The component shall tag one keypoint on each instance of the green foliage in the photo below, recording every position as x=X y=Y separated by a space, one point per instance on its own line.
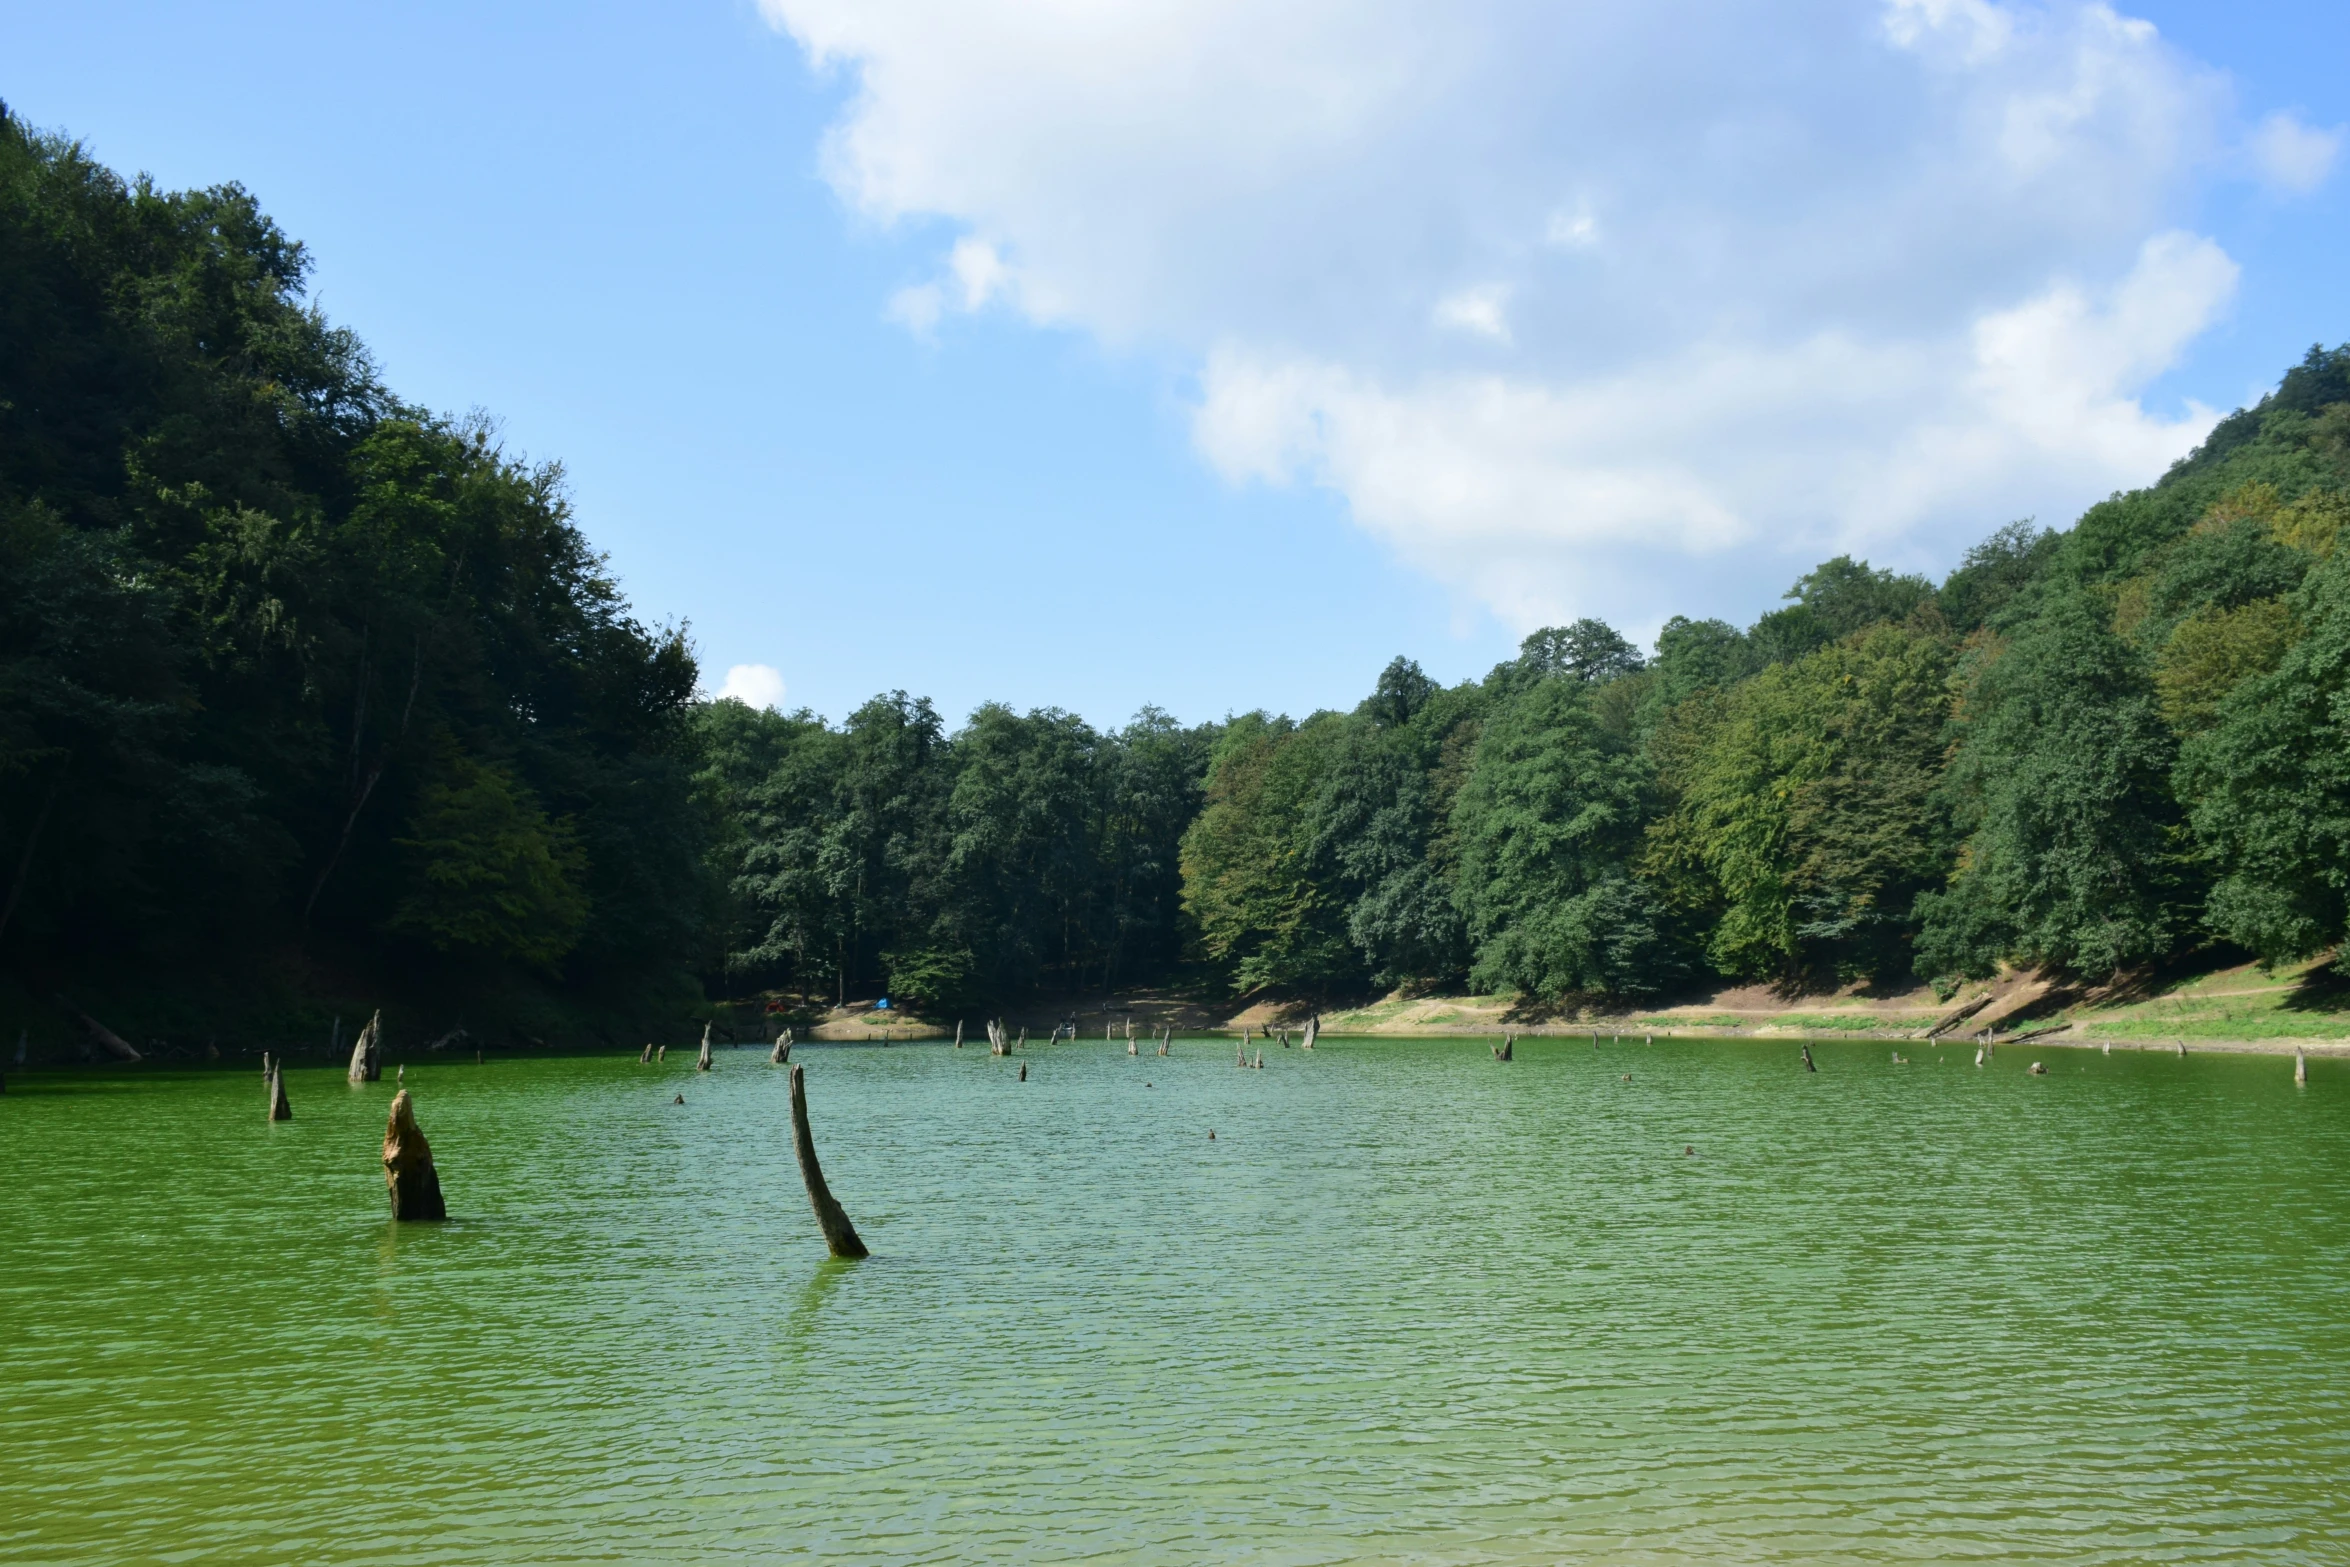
x=2061 y=782
x=1249 y=869
x=1805 y=797
x=1549 y=822
x=2270 y=782
x=493 y=875
x=1834 y=600
x=250 y=598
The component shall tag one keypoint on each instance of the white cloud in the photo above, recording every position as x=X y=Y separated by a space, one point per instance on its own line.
x=759 y=685
x=1480 y=311
x=1883 y=273
x=2294 y=158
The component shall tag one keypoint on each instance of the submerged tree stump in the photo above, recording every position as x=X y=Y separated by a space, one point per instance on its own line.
x=280 y=1108
x=2300 y=1065
x=1808 y=1067
x=840 y=1236
x=367 y=1062
x=414 y=1185
x=703 y=1064
x=1313 y=1032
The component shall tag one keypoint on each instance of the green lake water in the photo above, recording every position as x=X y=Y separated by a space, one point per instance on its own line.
x=1409 y=1305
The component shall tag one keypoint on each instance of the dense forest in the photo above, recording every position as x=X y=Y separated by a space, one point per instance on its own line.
x=310 y=698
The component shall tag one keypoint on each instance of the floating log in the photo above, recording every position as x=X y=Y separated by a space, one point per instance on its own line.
x=280 y=1108
x=703 y=1064
x=2300 y=1065
x=116 y=1045
x=367 y=1062
x=840 y=1236
x=409 y=1178
x=1807 y=1062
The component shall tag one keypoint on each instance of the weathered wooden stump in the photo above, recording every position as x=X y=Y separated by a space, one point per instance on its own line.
x=1808 y=1067
x=644 y=1057
x=1023 y=1071
x=2300 y=1065
x=280 y=1108
x=367 y=1062
x=409 y=1177
x=703 y=1064
x=840 y=1236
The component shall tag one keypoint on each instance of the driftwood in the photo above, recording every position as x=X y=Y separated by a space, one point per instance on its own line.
x=116 y=1045
x=703 y=1065
x=840 y=1236
x=367 y=1054
x=1961 y=1015
x=280 y=1108
x=414 y=1186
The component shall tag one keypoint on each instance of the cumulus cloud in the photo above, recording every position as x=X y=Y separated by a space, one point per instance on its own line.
x=2294 y=159
x=759 y=685
x=1579 y=307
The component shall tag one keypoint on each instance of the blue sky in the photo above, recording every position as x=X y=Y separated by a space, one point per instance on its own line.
x=1208 y=355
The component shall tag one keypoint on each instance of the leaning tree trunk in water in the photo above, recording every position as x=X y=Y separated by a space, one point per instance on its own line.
x=958 y=1033
x=414 y=1185
x=116 y=1046
x=1313 y=1031
x=280 y=1108
x=703 y=1065
x=840 y=1236
x=367 y=1054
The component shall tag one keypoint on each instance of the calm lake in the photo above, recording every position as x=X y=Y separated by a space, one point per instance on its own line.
x=1409 y=1305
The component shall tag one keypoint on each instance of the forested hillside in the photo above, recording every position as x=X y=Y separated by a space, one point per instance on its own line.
x=301 y=687
x=311 y=698
x=2091 y=750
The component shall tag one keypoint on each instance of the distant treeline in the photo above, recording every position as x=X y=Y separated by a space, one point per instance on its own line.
x=2091 y=750
x=301 y=683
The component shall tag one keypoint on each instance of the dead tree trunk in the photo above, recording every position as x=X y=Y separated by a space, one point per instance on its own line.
x=280 y=1108
x=703 y=1064
x=116 y=1045
x=1313 y=1031
x=367 y=1062
x=840 y=1236
x=409 y=1177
